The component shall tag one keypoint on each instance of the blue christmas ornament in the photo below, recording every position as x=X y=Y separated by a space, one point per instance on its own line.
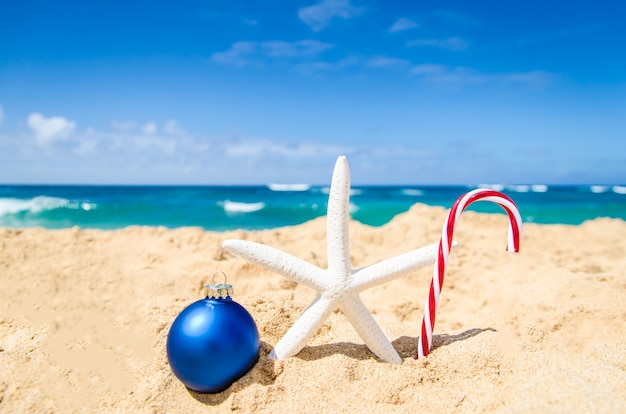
x=213 y=342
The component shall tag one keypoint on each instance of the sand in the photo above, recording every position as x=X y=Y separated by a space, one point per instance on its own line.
x=85 y=314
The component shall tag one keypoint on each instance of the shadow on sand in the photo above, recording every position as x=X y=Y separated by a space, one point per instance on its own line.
x=262 y=373
x=406 y=346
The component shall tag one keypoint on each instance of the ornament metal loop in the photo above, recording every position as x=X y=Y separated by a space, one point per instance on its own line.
x=218 y=290
x=222 y=273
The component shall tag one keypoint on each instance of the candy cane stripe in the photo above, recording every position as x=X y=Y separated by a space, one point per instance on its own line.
x=447 y=234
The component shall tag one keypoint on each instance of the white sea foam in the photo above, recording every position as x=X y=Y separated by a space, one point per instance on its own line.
x=237 y=207
x=289 y=187
x=619 y=189
x=539 y=188
x=88 y=206
x=34 y=205
x=353 y=191
x=518 y=188
x=81 y=206
x=412 y=192
x=494 y=187
x=599 y=188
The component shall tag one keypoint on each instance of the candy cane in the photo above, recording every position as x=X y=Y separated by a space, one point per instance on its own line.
x=445 y=245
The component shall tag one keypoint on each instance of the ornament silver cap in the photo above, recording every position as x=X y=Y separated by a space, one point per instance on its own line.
x=218 y=290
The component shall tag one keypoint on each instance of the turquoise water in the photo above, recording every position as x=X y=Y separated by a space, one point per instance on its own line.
x=220 y=208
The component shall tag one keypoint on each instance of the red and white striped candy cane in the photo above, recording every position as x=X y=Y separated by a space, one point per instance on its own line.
x=445 y=245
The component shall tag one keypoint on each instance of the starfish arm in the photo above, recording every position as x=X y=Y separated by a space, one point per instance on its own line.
x=303 y=330
x=277 y=261
x=393 y=268
x=337 y=220
x=367 y=328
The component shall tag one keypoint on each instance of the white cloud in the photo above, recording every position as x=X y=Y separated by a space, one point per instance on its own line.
x=155 y=144
x=257 y=53
x=262 y=148
x=319 y=15
x=317 y=66
x=384 y=62
x=124 y=126
x=451 y=75
x=131 y=157
x=537 y=78
x=48 y=130
x=171 y=127
x=239 y=54
x=302 y=48
x=441 y=74
x=86 y=147
x=451 y=43
x=403 y=24
x=149 y=128
x=428 y=69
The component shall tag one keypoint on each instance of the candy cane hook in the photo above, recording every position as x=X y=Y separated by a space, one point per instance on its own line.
x=445 y=245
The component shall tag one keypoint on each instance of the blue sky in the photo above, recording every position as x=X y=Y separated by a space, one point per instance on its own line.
x=231 y=92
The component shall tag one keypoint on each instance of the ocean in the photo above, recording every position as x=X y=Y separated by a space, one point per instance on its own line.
x=221 y=208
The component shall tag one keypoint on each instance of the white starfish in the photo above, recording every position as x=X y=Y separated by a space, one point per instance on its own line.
x=339 y=285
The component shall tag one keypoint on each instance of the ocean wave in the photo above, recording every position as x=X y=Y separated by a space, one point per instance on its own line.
x=289 y=187
x=598 y=189
x=353 y=191
x=518 y=188
x=494 y=187
x=238 y=207
x=412 y=192
x=34 y=205
x=619 y=189
x=88 y=206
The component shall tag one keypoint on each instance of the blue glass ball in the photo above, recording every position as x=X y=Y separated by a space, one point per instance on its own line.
x=212 y=343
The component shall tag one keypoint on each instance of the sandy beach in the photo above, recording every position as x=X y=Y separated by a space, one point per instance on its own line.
x=85 y=314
